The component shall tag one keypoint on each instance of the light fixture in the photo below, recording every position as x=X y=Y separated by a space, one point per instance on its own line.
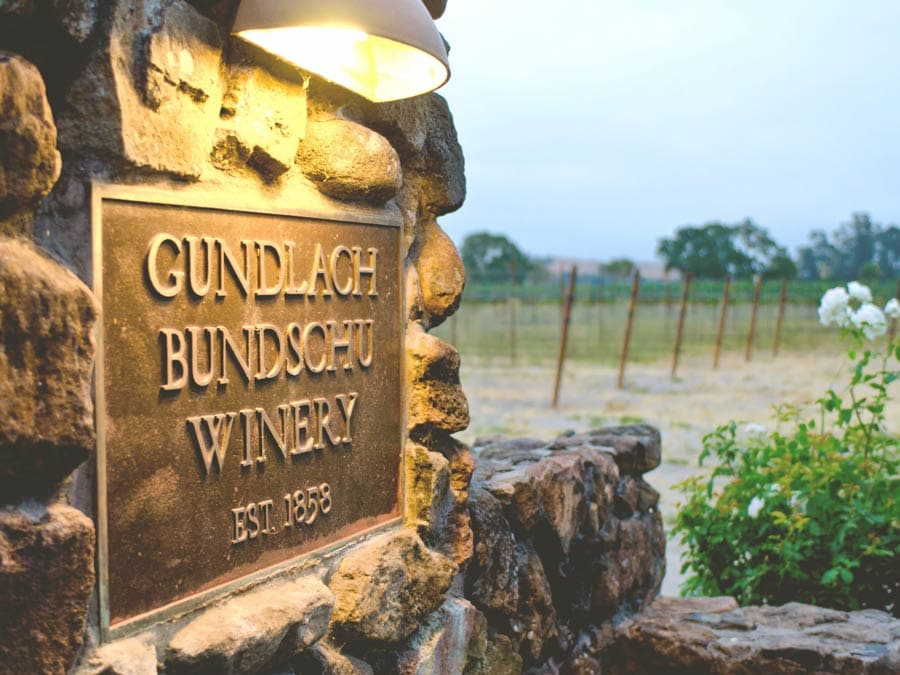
x=382 y=49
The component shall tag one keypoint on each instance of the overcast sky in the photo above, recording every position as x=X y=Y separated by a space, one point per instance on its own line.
x=593 y=128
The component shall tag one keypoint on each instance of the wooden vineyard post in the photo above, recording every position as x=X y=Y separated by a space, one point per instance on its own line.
x=512 y=311
x=567 y=315
x=723 y=316
x=623 y=359
x=779 y=322
x=679 y=336
x=754 y=310
x=892 y=332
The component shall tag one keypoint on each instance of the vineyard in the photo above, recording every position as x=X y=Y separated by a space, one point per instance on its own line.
x=522 y=323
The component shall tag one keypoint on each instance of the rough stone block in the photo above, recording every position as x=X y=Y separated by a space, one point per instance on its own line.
x=46 y=360
x=552 y=499
x=321 y=659
x=435 y=399
x=136 y=656
x=422 y=131
x=151 y=93
x=29 y=160
x=500 y=658
x=46 y=580
x=348 y=161
x=442 y=276
x=76 y=17
x=263 y=118
x=384 y=588
x=713 y=635
x=427 y=488
x=452 y=639
x=247 y=632
x=492 y=579
x=637 y=448
x=535 y=623
x=633 y=564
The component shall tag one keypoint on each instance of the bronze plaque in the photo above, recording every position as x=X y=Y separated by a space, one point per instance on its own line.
x=249 y=393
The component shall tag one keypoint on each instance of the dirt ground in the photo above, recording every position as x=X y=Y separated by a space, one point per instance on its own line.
x=516 y=401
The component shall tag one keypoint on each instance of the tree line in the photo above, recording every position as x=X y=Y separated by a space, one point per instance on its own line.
x=857 y=249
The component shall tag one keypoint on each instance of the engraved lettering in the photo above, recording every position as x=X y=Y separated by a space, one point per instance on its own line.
x=264 y=288
x=301 y=428
x=174 y=280
x=174 y=359
x=319 y=366
x=275 y=335
x=198 y=377
x=323 y=424
x=347 y=403
x=295 y=350
x=368 y=271
x=365 y=341
x=211 y=434
x=227 y=259
x=345 y=345
x=346 y=288
x=292 y=288
x=282 y=439
x=239 y=529
x=229 y=347
x=199 y=287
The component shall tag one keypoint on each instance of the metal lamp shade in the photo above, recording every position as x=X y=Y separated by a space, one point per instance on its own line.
x=382 y=49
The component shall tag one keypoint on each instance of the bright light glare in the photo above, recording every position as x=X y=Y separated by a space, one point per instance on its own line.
x=372 y=66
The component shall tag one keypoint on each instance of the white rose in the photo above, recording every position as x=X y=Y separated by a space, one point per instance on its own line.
x=892 y=309
x=859 y=292
x=756 y=505
x=834 y=307
x=871 y=320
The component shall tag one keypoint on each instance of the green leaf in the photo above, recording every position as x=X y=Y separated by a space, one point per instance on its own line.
x=829 y=576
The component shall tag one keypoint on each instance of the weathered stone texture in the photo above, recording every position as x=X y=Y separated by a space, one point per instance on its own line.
x=435 y=7
x=435 y=399
x=322 y=659
x=247 y=632
x=151 y=93
x=453 y=638
x=422 y=131
x=384 y=588
x=563 y=540
x=135 y=656
x=46 y=579
x=492 y=580
x=712 y=635
x=442 y=276
x=349 y=161
x=77 y=18
x=636 y=447
x=46 y=358
x=29 y=160
x=263 y=118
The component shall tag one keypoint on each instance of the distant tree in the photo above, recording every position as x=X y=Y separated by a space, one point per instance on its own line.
x=857 y=248
x=717 y=249
x=621 y=268
x=494 y=257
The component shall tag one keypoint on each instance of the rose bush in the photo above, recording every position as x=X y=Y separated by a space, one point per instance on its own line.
x=809 y=511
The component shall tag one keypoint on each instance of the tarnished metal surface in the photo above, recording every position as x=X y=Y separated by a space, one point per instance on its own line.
x=278 y=336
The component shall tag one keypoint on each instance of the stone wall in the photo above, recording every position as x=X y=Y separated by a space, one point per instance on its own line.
x=496 y=569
